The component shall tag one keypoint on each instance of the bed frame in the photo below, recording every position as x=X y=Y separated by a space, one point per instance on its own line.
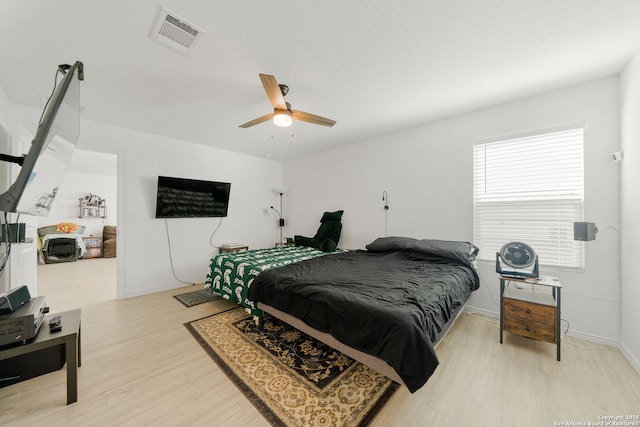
x=373 y=362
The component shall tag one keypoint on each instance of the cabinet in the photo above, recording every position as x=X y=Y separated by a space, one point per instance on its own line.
x=528 y=308
x=94 y=247
x=93 y=206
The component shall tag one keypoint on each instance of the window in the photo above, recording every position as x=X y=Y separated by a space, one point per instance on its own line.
x=531 y=190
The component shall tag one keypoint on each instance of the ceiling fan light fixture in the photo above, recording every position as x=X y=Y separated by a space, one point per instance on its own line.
x=282 y=114
x=282 y=118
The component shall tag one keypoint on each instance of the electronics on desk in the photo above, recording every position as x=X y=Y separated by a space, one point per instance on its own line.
x=24 y=322
x=55 y=324
x=14 y=299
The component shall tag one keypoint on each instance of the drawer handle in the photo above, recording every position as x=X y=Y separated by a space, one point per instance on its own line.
x=528 y=329
x=528 y=311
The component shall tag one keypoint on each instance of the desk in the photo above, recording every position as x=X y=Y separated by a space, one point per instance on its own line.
x=69 y=336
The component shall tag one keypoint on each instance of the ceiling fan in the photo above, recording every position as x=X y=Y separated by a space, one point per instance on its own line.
x=282 y=114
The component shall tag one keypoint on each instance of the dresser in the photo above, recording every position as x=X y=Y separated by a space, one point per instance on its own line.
x=530 y=307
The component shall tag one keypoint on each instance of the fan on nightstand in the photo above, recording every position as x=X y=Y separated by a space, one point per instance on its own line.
x=519 y=257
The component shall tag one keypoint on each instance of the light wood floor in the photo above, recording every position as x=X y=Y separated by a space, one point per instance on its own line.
x=69 y=285
x=140 y=366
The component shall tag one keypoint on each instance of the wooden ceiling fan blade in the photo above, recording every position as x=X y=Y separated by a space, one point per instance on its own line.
x=273 y=91
x=312 y=118
x=257 y=121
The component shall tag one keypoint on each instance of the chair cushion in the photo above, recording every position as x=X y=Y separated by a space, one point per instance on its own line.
x=109 y=232
x=328 y=245
x=331 y=216
x=302 y=240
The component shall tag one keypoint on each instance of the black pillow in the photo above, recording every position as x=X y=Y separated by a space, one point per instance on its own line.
x=390 y=244
x=463 y=252
x=332 y=216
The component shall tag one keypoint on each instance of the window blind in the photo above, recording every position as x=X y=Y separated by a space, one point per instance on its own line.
x=531 y=190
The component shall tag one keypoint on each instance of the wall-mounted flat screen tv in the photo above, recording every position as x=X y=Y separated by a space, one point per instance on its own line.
x=191 y=198
x=43 y=167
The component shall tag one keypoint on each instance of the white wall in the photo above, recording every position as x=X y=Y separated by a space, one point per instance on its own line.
x=143 y=246
x=630 y=211
x=24 y=254
x=427 y=172
x=143 y=250
x=5 y=175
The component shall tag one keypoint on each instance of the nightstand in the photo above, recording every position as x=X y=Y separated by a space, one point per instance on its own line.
x=530 y=311
x=284 y=245
x=224 y=249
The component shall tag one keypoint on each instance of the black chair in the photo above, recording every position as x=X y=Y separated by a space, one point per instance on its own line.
x=327 y=236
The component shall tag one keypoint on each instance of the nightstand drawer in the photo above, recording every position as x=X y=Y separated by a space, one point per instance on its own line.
x=530 y=329
x=518 y=309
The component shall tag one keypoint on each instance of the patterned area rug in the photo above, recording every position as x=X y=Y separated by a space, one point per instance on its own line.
x=291 y=378
x=201 y=296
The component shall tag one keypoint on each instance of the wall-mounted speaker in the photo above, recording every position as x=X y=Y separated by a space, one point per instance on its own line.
x=13 y=233
x=584 y=231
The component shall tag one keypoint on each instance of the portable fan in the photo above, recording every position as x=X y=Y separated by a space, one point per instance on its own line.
x=519 y=257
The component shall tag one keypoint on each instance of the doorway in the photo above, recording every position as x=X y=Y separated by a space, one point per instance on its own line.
x=92 y=278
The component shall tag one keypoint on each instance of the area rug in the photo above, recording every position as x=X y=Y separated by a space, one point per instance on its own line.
x=291 y=378
x=189 y=299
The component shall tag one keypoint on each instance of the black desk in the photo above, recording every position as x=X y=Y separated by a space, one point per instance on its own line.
x=69 y=336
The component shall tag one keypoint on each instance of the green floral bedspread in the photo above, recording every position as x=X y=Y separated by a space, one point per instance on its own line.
x=231 y=274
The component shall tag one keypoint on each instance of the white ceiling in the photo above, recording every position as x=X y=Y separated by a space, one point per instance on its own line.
x=374 y=66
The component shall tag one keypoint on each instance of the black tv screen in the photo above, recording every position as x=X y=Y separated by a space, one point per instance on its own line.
x=191 y=198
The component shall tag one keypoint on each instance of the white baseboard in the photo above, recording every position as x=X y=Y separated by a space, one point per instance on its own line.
x=594 y=338
x=579 y=335
x=471 y=309
x=634 y=362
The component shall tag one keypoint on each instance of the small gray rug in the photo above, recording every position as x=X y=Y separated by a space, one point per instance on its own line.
x=192 y=298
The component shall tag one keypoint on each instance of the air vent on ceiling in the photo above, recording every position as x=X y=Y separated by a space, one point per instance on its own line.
x=175 y=32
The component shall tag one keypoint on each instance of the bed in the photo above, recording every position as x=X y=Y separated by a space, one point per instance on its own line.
x=386 y=306
x=231 y=274
x=390 y=303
